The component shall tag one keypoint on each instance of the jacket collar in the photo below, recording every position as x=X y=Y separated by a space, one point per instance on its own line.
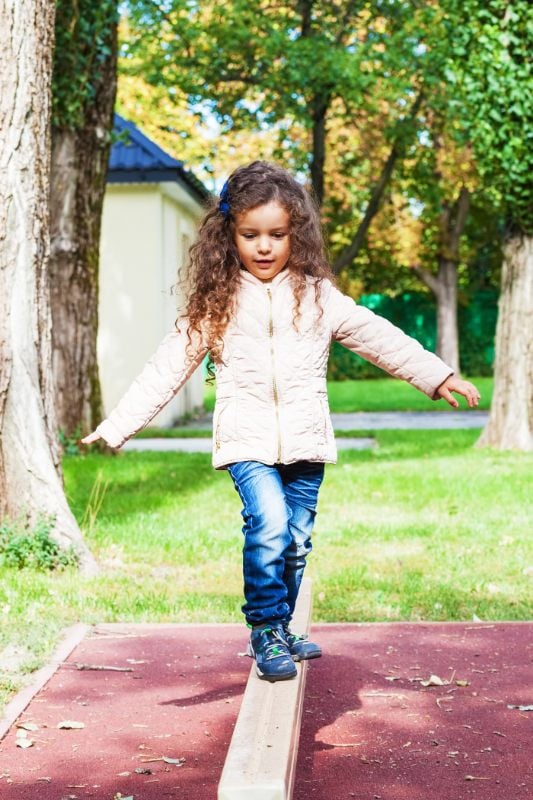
x=247 y=277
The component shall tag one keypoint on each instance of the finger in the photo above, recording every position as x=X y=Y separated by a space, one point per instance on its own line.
x=448 y=396
x=90 y=438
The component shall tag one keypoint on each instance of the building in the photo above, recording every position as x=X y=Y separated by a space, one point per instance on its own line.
x=152 y=207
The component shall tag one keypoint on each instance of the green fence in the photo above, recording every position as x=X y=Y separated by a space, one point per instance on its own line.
x=415 y=314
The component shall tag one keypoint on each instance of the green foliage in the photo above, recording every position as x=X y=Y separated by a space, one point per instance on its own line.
x=22 y=547
x=489 y=70
x=70 y=444
x=84 y=35
x=414 y=313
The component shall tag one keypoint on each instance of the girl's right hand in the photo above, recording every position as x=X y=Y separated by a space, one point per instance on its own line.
x=90 y=438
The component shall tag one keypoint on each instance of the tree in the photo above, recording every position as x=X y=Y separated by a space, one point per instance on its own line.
x=288 y=65
x=83 y=91
x=489 y=67
x=30 y=476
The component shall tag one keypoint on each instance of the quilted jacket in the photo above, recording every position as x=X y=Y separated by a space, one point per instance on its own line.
x=271 y=401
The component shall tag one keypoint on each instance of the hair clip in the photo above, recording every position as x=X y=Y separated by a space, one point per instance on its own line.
x=224 y=205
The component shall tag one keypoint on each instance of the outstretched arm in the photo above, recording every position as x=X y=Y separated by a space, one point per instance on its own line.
x=163 y=375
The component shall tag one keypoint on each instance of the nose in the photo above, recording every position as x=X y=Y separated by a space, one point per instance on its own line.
x=263 y=244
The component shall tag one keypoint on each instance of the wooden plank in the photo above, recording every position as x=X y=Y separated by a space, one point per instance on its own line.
x=261 y=759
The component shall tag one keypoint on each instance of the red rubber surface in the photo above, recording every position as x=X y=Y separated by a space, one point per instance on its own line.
x=180 y=700
x=362 y=736
x=367 y=737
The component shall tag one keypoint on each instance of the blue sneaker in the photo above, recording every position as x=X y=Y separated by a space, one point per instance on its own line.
x=300 y=647
x=273 y=661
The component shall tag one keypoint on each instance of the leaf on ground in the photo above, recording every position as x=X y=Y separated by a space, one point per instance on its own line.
x=24 y=743
x=462 y=683
x=143 y=771
x=69 y=724
x=522 y=708
x=434 y=680
x=177 y=761
x=27 y=726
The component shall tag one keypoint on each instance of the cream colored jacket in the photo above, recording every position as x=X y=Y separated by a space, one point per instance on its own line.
x=271 y=401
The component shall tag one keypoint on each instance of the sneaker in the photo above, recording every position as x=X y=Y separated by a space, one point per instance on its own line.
x=300 y=647
x=273 y=661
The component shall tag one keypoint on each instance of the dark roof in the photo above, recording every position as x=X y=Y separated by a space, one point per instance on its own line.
x=135 y=158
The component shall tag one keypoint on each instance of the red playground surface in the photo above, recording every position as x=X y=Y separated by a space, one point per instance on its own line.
x=392 y=712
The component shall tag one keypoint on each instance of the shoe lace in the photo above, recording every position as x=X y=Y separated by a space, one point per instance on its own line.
x=271 y=649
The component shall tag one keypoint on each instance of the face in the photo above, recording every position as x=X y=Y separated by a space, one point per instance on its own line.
x=263 y=240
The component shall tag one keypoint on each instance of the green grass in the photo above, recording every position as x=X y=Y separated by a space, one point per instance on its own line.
x=382 y=394
x=425 y=527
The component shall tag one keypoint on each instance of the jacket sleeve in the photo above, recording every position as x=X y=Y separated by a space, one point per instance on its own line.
x=383 y=344
x=161 y=378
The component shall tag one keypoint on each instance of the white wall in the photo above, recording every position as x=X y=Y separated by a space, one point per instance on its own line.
x=143 y=231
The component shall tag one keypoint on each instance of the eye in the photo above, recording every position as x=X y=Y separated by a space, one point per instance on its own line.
x=248 y=235
x=279 y=235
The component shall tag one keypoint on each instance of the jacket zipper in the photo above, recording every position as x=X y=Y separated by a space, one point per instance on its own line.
x=274 y=384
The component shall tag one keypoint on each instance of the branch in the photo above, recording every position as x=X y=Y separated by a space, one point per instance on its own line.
x=428 y=278
x=351 y=251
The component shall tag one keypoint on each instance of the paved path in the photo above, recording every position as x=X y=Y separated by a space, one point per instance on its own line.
x=371 y=730
x=198 y=445
x=387 y=419
x=404 y=420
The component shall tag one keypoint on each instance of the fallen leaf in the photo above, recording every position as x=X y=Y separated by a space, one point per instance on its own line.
x=177 y=761
x=69 y=724
x=522 y=708
x=24 y=743
x=28 y=726
x=434 y=680
x=474 y=778
x=143 y=771
x=462 y=683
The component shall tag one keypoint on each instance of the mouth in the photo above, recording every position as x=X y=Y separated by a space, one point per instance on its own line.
x=265 y=261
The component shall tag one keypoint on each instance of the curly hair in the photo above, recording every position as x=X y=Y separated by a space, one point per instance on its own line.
x=215 y=266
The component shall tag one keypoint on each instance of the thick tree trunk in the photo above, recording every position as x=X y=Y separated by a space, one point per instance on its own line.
x=510 y=425
x=78 y=182
x=30 y=479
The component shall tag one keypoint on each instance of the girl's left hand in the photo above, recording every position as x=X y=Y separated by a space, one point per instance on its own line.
x=467 y=389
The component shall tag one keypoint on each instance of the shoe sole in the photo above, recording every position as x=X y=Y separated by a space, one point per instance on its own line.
x=316 y=654
x=275 y=678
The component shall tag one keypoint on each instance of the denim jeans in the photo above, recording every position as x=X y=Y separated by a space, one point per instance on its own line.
x=279 y=509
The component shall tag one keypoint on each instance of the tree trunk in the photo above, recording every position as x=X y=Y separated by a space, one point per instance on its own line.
x=30 y=477
x=510 y=425
x=444 y=284
x=78 y=182
x=447 y=328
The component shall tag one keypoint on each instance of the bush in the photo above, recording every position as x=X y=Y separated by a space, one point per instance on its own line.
x=415 y=313
x=21 y=546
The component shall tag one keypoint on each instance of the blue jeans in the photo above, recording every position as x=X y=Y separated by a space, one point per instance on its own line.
x=279 y=508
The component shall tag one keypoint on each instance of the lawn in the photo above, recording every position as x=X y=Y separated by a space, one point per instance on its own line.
x=425 y=527
x=383 y=394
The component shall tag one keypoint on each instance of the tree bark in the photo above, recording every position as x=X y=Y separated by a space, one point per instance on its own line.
x=510 y=424
x=30 y=475
x=78 y=182
x=443 y=284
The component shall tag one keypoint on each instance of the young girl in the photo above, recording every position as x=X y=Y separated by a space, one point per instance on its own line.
x=265 y=306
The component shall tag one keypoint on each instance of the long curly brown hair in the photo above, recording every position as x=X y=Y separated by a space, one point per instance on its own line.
x=215 y=266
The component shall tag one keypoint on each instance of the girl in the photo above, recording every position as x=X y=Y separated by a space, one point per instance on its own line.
x=265 y=306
